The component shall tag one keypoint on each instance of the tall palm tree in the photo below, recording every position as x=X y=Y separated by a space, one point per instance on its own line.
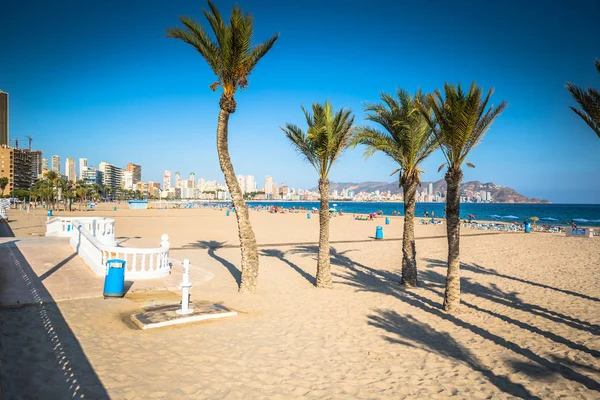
x=460 y=120
x=328 y=135
x=53 y=177
x=589 y=100
x=232 y=57
x=407 y=139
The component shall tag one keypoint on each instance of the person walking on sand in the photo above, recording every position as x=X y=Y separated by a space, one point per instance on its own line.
x=426 y=214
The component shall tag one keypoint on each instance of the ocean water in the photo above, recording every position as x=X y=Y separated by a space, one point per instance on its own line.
x=550 y=214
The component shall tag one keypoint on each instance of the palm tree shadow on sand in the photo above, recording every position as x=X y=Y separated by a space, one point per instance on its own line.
x=212 y=246
x=281 y=256
x=408 y=330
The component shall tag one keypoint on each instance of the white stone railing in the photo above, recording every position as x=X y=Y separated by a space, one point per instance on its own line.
x=139 y=263
x=102 y=229
x=93 y=238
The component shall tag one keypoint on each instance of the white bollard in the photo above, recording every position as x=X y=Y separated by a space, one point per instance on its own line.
x=185 y=286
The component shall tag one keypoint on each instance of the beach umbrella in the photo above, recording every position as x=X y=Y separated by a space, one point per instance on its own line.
x=471 y=216
x=534 y=220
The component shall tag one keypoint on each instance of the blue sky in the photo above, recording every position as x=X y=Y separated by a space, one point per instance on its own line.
x=99 y=79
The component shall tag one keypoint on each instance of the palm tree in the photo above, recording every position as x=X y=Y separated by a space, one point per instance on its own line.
x=460 y=120
x=589 y=100
x=53 y=178
x=3 y=184
x=328 y=135
x=407 y=139
x=232 y=58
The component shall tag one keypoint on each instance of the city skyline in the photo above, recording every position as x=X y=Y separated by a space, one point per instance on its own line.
x=164 y=110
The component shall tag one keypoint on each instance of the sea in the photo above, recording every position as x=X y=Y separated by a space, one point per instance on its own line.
x=549 y=214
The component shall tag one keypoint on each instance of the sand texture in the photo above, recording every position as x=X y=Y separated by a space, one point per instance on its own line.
x=529 y=323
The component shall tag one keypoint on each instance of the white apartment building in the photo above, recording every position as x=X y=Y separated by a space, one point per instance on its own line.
x=70 y=169
x=112 y=176
x=127 y=181
x=250 y=184
x=82 y=166
x=268 y=185
x=56 y=164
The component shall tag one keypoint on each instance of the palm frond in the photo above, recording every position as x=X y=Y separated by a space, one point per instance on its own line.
x=407 y=138
x=329 y=133
x=460 y=119
x=229 y=51
x=589 y=101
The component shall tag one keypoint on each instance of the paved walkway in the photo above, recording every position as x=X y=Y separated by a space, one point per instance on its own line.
x=30 y=264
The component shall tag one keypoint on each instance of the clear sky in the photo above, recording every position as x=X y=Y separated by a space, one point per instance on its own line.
x=99 y=79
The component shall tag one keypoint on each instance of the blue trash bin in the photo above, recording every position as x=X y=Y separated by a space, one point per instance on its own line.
x=379 y=232
x=308 y=216
x=527 y=227
x=387 y=221
x=114 y=281
x=227 y=213
x=114 y=208
x=49 y=213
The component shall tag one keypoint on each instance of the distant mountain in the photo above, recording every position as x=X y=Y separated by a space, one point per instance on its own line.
x=500 y=194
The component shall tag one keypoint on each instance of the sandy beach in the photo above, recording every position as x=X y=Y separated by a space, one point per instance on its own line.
x=529 y=325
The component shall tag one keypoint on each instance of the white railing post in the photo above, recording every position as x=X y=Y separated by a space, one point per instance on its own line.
x=185 y=286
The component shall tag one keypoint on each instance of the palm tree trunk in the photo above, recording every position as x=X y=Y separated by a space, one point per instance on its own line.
x=452 y=295
x=246 y=234
x=409 y=250
x=323 y=263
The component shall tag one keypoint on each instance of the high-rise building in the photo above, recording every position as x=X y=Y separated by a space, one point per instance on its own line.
x=250 y=184
x=242 y=182
x=91 y=176
x=82 y=166
x=127 y=180
x=112 y=176
x=430 y=189
x=56 y=164
x=177 y=179
x=3 y=118
x=70 y=169
x=136 y=171
x=16 y=165
x=36 y=164
x=44 y=164
x=167 y=180
x=268 y=185
x=193 y=179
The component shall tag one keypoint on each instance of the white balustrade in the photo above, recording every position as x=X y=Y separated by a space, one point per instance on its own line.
x=102 y=229
x=91 y=239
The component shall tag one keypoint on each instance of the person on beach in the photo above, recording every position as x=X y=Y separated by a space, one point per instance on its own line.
x=426 y=214
x=432 y=217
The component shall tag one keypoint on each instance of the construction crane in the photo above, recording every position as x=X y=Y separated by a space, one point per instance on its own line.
x=30 y=140
x=16 y=140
